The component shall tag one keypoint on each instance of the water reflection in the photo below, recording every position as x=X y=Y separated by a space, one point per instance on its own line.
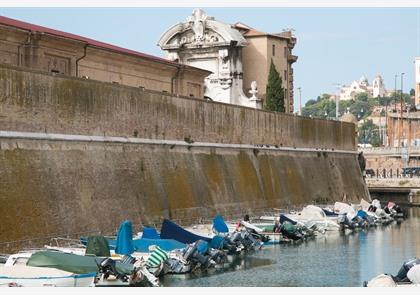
x=336 y=259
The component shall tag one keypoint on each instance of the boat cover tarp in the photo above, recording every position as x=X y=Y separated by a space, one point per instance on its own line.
x=251 y=226
x=219 y=224
x=217 y=242
x=376 y=203
x=362 y=214
x=171 y=230
x=142 y=245
x=150 y=233
x=97 y=246
x=290 y=228
x=414 y=274
x=364 y=204
x=382 y=280
x=328 y=212
x=124 y=243
x=71 y=262
x=312 y=212
x=343 y=208
x=202 y=246
x=284 y=218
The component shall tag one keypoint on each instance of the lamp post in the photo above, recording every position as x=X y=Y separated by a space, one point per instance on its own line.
x=300 y=101
x=337 y=100
x=395 y=93
x=401 y=112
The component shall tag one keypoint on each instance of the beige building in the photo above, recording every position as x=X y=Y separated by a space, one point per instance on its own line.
x=256 y=59
x=36 y=47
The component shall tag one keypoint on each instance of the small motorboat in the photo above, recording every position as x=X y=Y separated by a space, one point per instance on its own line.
x=407 y=276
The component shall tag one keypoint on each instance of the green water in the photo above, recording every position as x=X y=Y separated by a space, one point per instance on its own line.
x=335 y=259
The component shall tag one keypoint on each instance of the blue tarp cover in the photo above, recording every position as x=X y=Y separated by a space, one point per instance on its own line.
x=150 y=233
x=202 y=246
x=219 y=224
x=362 y=214
x=171 y=230
x=284 y=218
x=142 y=245
x=217 y=242
x=124 y=244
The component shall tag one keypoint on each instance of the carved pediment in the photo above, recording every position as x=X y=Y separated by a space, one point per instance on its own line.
x=190 y=37
x=200 y=30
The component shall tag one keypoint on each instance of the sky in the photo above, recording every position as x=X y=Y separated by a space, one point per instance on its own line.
x=334 y=45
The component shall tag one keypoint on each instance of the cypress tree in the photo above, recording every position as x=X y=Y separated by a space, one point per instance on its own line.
x=274 y=91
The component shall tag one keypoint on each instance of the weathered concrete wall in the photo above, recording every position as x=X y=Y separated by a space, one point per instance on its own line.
x=51 y=188
x=34 y=101
x=54 y=188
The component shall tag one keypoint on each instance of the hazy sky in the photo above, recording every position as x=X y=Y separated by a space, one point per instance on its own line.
x=334 y=45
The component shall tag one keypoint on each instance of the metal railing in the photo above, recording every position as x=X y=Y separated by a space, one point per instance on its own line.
x=393 y=173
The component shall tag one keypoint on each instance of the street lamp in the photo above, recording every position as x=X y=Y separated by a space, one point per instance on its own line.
x=337 y=99
x=401 y=111
x=395 y=93
x=300 y=101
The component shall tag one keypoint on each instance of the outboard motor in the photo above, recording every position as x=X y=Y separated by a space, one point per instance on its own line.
x=290 y=231
x=402 y=273
x=218 y=256
x=197 y=254
x=107 y=267
x=344 y=222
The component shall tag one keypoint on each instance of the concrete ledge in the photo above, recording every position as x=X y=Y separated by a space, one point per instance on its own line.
x=133 y=140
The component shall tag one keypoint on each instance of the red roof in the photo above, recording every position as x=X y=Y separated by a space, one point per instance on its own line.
x=30 y=27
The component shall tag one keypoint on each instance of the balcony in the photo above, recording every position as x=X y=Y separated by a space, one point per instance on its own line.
x=292 y=58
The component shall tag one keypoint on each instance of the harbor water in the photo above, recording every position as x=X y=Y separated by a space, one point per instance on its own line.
x=334 y=259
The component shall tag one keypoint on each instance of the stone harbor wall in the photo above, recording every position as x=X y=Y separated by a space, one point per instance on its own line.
x=80 y=156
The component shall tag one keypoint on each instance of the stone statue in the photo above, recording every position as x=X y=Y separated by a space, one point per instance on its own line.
x=254 y=90
x=198 y=20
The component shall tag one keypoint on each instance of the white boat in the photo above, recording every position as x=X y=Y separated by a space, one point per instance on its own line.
x=311 y=216
x=15 y=273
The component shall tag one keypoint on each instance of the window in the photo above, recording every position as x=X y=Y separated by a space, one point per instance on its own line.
x=273 y=49
x=285 y=51
x=285 y=75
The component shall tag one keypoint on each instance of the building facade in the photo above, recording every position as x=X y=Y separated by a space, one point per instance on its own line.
x=31 y=46
x=376 y=89
x=205 y=43
x=238 y=56
x=263 y=48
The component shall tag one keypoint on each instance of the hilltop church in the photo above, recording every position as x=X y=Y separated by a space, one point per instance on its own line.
x=377 y=89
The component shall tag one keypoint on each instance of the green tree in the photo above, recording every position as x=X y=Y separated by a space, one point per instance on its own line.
x=274 y=91
x=412 y=92
x=368 y=133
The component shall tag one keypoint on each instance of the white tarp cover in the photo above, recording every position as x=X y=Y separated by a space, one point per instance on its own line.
x=343 y=208
x=251 y=226
x=312 y=212
x=414 y=274
x=364 y=204
x=376 y=204
x=382 y=280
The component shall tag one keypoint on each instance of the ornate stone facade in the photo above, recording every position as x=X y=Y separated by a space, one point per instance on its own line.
x=208 y=44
